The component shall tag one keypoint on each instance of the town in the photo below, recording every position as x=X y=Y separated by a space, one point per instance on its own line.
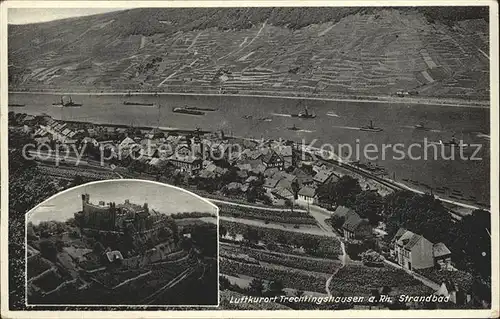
x=290 y=223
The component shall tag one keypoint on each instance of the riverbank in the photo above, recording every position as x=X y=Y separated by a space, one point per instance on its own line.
x=286 y=95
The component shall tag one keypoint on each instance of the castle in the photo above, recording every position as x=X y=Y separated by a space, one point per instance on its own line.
x=119 y=218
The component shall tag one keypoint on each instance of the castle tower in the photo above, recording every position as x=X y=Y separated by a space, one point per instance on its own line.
x=85 y=198
x=85 y=201
x=146 y=208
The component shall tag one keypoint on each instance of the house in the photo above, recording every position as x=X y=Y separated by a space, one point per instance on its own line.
x=114 y=255
x=356 y=227
x=286 y=153
x=303 y=178
x=272 y=159
x=324 y=175
x=412 y=251
x=188 y=164
x=283 y=193
x=270 y=172
x=442 y=256
x=307 y=194
x=270 y=183
x=126 y=143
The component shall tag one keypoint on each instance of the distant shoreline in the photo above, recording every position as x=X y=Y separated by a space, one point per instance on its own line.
x=276 y=95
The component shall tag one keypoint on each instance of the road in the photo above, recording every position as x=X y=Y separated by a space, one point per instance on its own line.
x=215 y=201
x=253 y=222
x=345 y=258
x=321 y=214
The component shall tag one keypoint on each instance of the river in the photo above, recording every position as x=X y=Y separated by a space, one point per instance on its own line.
x=336 y=123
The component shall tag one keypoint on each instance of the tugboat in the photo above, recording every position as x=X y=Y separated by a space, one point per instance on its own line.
x=63 y=103
x=370 y=128
x=185 y=110
x=194 y=108
x=453 y=142
x=294 y=128
x=137 y=103
x=304 y=114
x=420 y=126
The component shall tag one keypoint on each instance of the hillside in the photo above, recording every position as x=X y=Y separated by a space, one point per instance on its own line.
x=324 y=51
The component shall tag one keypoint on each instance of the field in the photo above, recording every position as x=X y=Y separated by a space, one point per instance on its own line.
x=461 y=278
x=297 y=262
x=320 y=246
x=341 y=51
x=291 y=278
x=286 y=217
x=359 y=280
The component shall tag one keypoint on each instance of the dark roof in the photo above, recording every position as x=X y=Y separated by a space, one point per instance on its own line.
x=440 y=249
x=343 y=211
x=307 y=191
x=322 y=176
x=114 y=255
x=413 y=241
x=408 y=239
x=399 y=233
x=353 y=221
x=270 y=182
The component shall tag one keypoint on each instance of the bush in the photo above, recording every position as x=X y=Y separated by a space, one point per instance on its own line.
x=372 y=258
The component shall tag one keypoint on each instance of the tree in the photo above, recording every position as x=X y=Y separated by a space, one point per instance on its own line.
x=369 y=205
x=98 y=248
x=59 y=245
x=281 y=239
x=251 y=235
x=422 y=214
x=310 y=244
x=295 y=188
x=472 y=242
x=224 y=283
x=48 y=250
x=30 y=232
x=77 y=180
x=342 y=192
x=222 y=231
x=275 y=288
x=256 y=287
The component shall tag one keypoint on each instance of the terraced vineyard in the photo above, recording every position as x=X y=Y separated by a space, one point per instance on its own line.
x=324 y=246
x=359 y=280
x=267 y=215
x=289 y=277
x=340 y=52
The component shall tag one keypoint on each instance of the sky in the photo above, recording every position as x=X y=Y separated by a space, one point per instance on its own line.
x=160 y=197
x=28 y=15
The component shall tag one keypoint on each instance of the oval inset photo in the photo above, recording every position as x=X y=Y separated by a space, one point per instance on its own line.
x=122 y=242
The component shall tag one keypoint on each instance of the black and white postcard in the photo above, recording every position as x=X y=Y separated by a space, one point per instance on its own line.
x=179 y=159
